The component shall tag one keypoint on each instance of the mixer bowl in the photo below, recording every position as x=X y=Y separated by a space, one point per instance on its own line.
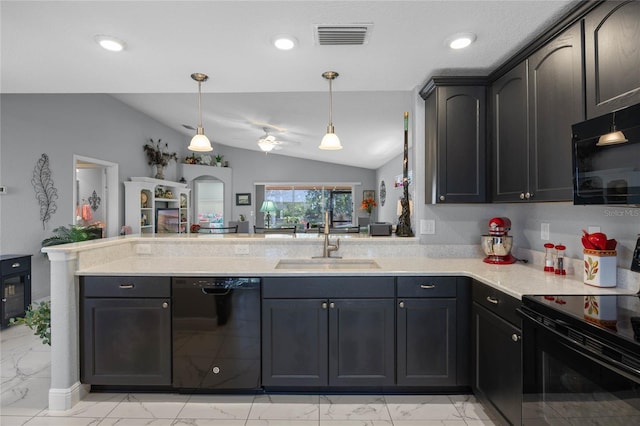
x=494 y=245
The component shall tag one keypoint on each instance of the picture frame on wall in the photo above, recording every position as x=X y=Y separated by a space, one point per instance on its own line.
x=368 y=193
x=243 y=199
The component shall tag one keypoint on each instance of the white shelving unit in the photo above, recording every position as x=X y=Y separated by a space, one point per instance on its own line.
x=144 y=196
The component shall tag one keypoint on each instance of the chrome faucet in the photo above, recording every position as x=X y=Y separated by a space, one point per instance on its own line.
x=327 y=247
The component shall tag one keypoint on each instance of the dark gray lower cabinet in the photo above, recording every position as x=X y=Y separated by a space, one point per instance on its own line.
x=336 y=332
x=427 y=342
x=497 y=353
x=125 y=330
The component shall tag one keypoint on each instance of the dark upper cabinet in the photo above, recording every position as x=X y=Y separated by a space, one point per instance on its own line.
x=510 y=140
x=612 y=56
x=556 y=102
x=534 y=106
x=455 y=133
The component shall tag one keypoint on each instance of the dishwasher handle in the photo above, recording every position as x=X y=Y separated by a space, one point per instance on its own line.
x=216 y=291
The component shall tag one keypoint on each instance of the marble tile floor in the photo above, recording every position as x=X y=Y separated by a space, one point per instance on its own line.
x=25 y=372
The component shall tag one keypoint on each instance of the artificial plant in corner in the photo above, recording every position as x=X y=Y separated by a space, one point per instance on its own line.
x=72 y=234
x=38 y=318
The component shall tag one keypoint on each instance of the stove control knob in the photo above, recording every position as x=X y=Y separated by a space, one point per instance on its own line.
x=515 y=337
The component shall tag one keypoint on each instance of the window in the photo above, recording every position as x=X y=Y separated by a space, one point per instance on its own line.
x=304 y=205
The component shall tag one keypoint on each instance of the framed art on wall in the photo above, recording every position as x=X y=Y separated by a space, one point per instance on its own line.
x=243 y=199
x=368 y=193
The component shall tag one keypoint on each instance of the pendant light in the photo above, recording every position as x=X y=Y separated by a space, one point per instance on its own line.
x=200 y=142
x=614 y=137
x=330 y=141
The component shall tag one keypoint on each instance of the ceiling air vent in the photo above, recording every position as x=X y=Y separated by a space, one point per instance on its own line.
x=343 y=34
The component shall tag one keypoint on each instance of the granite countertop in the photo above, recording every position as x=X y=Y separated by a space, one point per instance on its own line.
x=515 y=279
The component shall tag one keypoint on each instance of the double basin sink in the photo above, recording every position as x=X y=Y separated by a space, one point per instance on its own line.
x=327 y=263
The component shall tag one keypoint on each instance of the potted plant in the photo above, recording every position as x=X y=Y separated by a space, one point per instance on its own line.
x=72 y=234
x=219 y=160
x=38 y=318
x=158 y=155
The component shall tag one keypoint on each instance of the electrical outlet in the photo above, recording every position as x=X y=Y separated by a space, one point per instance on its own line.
x=3 y=190
x=544 y=231
x=143 y=248
x=427 y=226
x=241 y=249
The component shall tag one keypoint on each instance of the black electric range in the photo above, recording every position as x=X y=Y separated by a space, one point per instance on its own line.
x=611 y=318
x=581 y=359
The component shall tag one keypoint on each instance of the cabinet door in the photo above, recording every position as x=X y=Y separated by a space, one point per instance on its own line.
x=510 y=139
x=294 y=342
x=126 y=341
x=461 y=144
x=427 y=353
x=555 y=103
x=362 y=342
x=498 y=363
x=612 y=57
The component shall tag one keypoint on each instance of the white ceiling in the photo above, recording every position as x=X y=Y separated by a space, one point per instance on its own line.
x=48 y=47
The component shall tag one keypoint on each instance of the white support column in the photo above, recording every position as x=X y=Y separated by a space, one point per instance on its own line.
x=66 y=389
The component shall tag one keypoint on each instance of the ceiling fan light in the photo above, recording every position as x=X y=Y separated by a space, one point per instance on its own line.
x=265 y=145
x=330 y=142
x=200 y=142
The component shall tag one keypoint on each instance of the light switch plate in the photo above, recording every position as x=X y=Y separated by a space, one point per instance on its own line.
x=427 y=226
x=544 y=231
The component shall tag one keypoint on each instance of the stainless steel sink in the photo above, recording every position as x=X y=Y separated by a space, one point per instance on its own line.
x=327 y=264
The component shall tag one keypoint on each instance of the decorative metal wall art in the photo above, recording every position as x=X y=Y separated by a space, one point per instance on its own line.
x=46 y=193
x=94 y=201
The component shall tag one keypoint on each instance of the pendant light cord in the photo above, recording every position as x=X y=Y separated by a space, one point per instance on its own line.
x=200 y=103
x=330 y=103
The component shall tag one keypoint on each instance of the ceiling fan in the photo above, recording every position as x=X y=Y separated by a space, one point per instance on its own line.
x=268 y=143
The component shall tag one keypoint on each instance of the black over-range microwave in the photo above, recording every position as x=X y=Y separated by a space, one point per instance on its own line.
x=606 y=159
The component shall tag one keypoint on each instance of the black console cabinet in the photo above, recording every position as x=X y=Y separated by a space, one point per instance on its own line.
x=126 y=330
x=15 y=286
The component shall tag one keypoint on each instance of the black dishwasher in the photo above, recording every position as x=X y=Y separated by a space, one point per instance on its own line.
x=216 y=334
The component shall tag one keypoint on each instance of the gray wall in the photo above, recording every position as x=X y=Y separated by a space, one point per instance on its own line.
x=101 y=127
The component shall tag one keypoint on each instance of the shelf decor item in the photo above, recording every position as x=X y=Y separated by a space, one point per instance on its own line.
x=158 y=155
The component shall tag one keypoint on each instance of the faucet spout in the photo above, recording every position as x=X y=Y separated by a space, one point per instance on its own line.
x=327 y=247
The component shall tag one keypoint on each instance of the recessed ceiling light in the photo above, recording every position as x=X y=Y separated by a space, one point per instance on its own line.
x=460 y=40
x=284 y=42
x=110 y=43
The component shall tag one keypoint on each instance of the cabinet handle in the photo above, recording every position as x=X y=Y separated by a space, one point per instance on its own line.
x=332 y=305
x=324 y=305
x=493 y=300
x=515 y=337
x=527 y=195
x=427 y=286
x=15 y=265
x=442 y=198
x=165 y=305
x=127 y=286
x=522 y=195
x=401 y=304
x=531 y=195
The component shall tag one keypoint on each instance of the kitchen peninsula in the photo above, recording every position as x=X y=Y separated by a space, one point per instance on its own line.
x=259 y=256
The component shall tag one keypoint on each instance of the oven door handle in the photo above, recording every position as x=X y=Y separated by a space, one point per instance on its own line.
x=596 y=357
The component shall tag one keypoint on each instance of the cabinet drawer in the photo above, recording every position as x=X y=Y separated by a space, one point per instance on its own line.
x=497 y=302
x=16 y=265
x=426 y=286
x=326 y=287
x=126 y=286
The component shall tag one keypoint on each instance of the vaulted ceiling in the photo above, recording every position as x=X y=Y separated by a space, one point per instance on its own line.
x=48 y=47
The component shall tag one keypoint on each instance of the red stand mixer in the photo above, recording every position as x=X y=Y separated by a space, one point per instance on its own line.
x=497 y=245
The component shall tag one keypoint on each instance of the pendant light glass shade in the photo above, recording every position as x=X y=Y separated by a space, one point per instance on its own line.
x=330 y=141
x=200 y=142
x=614 y=137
